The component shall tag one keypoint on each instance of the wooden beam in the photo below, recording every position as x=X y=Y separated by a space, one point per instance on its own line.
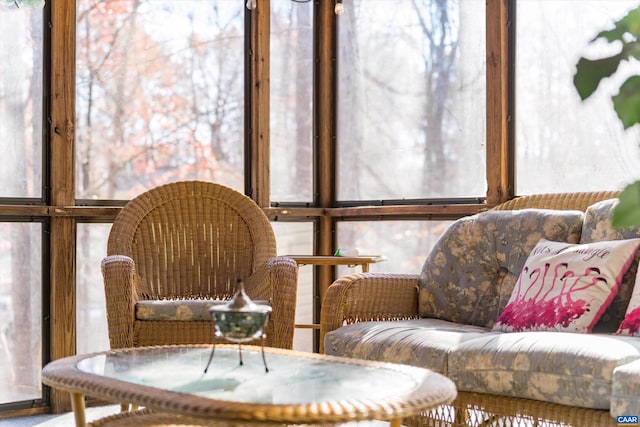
x=408 y=211
x=500 y=176
x=299 y=213
x=21 y=210
x=93 y=212
x=324 y=94
x=108 y=213
x=259 y=81
x=61 y=132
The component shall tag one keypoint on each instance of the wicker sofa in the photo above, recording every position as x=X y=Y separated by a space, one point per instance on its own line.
x=503 y=379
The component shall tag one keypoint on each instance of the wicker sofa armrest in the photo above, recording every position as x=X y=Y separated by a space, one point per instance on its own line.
x=277 y=282
x=368 y=296
x=120 y=277
x=562 y=201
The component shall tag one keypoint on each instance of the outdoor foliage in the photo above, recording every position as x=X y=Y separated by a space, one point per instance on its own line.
x=156 y=106
x=20 y=3
x=589 y=74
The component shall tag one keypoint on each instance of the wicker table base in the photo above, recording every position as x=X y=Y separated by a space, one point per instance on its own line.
x=148 y=418
x=145 y=418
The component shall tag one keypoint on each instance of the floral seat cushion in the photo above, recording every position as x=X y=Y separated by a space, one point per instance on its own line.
x=418 y=342
x=574 y=369
x=567 y=368
x=175 y=310
x=624 y=391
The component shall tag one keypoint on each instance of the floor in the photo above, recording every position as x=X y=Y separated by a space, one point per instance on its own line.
x=66 y=420
x=58 y=420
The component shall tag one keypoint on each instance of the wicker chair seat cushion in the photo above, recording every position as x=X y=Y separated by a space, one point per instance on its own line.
x=567 y=368
x=624 y=392
x=419 y=342
x=184 y=310
x=471 y=271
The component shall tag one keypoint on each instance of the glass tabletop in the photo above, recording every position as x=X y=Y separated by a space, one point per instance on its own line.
x=299 y=388
x=291 y=379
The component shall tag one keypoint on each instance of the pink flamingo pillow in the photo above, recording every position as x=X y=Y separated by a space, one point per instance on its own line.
x=566 y=287
x=631 y=323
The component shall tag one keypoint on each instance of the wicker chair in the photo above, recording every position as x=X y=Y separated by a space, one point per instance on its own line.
x=188 y=242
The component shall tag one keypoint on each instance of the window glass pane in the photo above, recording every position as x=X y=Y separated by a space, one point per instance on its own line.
x=21 y=41
x=20 y=311
x=91 y=314
x=291 y=97
x=406 y=244
x=92 y=331
x=564 y=144
x=296 y=238
x=411 y=99
x=154 y=105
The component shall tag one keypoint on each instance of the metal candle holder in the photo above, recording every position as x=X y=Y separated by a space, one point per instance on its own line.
x=239 y=320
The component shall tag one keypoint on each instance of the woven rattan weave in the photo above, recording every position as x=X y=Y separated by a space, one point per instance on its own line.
x=192 y=240
x=302 y=388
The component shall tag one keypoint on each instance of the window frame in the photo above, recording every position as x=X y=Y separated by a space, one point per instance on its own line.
x=59 y=208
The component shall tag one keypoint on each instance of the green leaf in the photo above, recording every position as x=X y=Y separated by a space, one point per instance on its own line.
x=633 y=50
x=589 y=73
x=630 y=23
x=627 y=102
x=627 y=212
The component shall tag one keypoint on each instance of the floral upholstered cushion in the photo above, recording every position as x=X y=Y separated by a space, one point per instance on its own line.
x=565 y=368
x=624 y=390
x=175 y=309
x=418 y=342
x=566 y=287
x=597 y=227
x=470 y=273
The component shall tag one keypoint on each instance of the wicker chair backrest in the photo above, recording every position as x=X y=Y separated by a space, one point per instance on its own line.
x=192 y=239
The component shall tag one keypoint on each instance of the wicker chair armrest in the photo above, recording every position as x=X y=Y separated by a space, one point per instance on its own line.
x=119 y=274
x=277 y=282
x=368 y=296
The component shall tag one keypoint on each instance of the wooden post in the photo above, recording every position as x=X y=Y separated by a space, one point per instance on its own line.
x=258 y=93
x=500 y=164
x=325 y=139
x=61 y=131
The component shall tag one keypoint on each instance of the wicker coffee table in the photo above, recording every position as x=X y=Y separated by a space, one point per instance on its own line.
x=299 y=388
